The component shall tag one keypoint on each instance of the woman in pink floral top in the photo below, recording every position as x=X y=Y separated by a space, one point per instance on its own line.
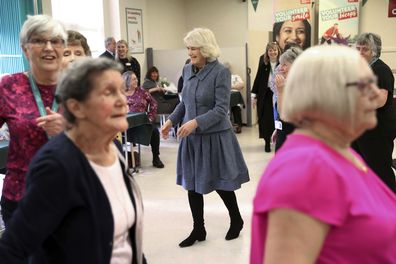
x=31 y=116
x=139 y=100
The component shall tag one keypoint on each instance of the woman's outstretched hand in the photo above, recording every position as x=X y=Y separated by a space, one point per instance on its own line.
x=165 y=129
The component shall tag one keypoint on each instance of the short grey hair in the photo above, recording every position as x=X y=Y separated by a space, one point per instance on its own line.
x=373 y=41
x=127 y=76
x=41 y=24
x=108 y=41
x=322 y=93
x=76 y=82
x=205 y=40
x=290 y=55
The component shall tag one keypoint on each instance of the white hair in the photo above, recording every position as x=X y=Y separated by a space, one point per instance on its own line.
x=205 y=40
x=40 y=24
x=316 y=85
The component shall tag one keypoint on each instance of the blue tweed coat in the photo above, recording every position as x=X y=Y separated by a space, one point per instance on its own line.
x=209 y=158
x=205 y=97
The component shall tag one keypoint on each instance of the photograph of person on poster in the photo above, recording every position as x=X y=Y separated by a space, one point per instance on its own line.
x=333 y=35
x=298 y=32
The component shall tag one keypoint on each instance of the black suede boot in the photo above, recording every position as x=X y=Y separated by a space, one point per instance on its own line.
x=157 y=162
x=198 y=233
x=236 y=224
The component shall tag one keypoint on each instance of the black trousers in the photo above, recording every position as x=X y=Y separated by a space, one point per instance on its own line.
x=237 y=115
x=8 y=207
x=377 y=153
x=323 y=40
x=155 y=141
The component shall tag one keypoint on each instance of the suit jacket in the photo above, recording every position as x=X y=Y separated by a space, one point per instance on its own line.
x=205 y=98
x=66 y=211
x=107 y=54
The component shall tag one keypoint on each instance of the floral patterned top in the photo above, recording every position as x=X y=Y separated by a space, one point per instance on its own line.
x=19 y=110
x=142 y=101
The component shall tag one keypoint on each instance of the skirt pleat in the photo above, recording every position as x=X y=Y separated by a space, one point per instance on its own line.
x=208 y=162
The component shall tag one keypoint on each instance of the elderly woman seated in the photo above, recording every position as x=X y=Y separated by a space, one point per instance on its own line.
x=166 y=102
x=318 y=201
x=140 y=100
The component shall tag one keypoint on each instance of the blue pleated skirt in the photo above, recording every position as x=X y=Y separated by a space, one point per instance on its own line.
x=208 y=162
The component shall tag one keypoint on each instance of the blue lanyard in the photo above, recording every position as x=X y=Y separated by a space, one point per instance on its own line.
x=39 y=101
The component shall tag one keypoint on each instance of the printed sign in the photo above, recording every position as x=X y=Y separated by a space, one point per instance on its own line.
x=392 y=8
x=338 y=22
x=292 y=23
x=134 y=30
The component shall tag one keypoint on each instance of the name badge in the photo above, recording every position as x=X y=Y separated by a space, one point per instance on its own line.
x=278 y=124
x=127 y=64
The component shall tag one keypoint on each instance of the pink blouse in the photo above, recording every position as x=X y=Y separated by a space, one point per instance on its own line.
x=142 y=101
x=19 y=110
x=308 y=176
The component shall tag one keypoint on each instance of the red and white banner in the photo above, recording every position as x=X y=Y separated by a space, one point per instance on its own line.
x=338 y=21
x=392 y=8
x=292 y=22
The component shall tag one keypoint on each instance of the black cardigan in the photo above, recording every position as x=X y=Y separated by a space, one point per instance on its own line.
x=65 y=211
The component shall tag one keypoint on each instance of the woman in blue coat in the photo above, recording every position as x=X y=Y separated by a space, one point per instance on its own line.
x=209 y=156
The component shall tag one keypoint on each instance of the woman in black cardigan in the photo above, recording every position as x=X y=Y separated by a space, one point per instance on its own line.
x=80 y=204
x=262 y=94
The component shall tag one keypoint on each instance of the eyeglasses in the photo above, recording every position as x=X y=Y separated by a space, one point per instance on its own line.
x=365 y=86
x=41 y=43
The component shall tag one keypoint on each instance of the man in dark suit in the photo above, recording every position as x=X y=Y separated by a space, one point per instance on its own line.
x=110 y=45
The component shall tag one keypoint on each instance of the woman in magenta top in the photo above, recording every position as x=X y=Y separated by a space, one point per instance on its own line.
x=140 y=100
x=318 y=202
x=27 y=103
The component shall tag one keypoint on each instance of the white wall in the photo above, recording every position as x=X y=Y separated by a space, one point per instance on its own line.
x=111 y=19
x=47 y=8
x=166 y=25
x=226 y=18
x=375 y=19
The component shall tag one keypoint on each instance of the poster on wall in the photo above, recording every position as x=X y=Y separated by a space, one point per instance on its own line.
x=392 y=8
x=338 y=22
x=134 y=22
x=292 y=22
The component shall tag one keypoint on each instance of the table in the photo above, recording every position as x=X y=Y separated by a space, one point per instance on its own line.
x=3 y=153
x=236 y=99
